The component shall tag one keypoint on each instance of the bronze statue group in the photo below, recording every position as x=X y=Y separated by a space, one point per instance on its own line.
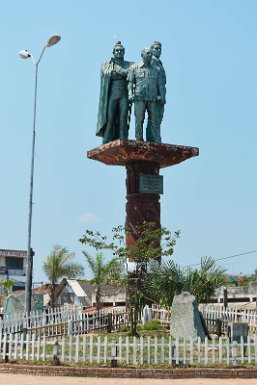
x=124 y=84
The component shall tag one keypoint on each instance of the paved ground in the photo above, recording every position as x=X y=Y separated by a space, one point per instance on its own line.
x=22 y=379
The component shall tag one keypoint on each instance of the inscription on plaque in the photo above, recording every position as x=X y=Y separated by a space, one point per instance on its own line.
x=151 y=184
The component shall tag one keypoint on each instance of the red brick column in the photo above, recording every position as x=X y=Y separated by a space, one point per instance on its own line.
x=140 y=208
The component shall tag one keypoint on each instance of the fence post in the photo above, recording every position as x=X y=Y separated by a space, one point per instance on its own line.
x=114 y=363
x=77 y=348
x=220 y=350
x=199 y=351
x=1 y=325
x=63 y=348
x=255 y=348
x=227 y=349
x=6 y=348
x=70 y=327
x=191 y=350
x=218 y=327
x=56 y=360
x=176 y=351
x=109 y=323
x=206 y=351
x=234 y=352
x=225 y=297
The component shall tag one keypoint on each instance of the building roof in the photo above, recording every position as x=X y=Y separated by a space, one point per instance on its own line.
x=44 y=289
x=89 y=288
x=85 y=290
x=77 y=287
x=82 y=291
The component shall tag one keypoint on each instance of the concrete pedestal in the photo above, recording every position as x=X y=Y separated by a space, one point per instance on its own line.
x=141 y=159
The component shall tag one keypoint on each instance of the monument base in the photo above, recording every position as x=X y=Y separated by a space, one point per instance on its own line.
x=122 y=152
x=142 y=160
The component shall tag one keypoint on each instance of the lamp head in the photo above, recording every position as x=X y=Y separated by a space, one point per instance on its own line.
x=53 y=39
x=24 y=54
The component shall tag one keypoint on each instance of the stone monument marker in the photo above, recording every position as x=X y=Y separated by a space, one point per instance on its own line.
x=185 y=317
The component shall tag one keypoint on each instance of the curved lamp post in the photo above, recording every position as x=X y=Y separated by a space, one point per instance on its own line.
x=24 y=54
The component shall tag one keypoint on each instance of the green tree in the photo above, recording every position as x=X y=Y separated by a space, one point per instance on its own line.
x=103 y=272
x=168 y=279
x=7 y=285
x=151 y=243
x=164 y=281
x=243 y=280
x=57 y=266
x=203 y=282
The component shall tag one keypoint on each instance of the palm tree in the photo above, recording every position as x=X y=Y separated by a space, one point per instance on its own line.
x=163 y=281
x=202 y=283
x=7 y=285
x=57 y=266
x=167 y=279
x=103 y=273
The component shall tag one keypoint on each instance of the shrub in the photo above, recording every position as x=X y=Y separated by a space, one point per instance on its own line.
x=123 y=328
x=152 y=325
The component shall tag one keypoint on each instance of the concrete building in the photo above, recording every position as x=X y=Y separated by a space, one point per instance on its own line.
x=237 y=294
x=12 y=267
x=84 y=293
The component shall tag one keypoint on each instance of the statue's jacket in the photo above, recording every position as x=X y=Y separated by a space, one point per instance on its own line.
x=105 y=85
x=146 y=82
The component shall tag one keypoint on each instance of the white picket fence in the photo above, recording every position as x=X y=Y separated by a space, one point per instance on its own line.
x=214 y=312
x=72 y=319
x=64 y=320
x=18 y=320
x=147 y=351
x=232 y=314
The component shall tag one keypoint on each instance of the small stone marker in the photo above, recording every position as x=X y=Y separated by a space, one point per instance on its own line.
x=146 y=314
x=238 y=329
x=185 y=317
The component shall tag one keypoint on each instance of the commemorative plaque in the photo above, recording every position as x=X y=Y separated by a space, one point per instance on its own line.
x=151 y=184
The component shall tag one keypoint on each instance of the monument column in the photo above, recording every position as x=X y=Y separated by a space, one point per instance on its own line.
x=143 y=199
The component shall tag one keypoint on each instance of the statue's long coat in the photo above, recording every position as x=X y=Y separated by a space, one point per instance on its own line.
x=105 y=80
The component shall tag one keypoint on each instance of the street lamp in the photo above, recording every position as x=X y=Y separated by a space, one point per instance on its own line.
x=24 y=54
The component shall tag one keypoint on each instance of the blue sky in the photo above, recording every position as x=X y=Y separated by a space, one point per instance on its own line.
x=210 y=57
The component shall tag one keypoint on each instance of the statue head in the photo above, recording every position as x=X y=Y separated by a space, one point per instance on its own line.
x=156 y=48
x=118 y=50
x=146 y=55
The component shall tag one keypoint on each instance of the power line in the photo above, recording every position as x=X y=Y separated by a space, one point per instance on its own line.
x=231 y=256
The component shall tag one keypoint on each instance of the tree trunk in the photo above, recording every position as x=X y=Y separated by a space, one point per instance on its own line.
x=98 y=297
x=52 y=295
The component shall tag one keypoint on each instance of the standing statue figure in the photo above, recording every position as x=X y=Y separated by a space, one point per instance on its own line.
x=156 y=49
x=147 y=91
x=113 y=122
